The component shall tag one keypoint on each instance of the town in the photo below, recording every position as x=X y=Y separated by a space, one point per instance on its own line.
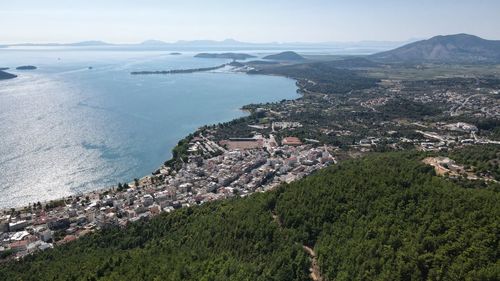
x=276 y=143
x=238 y=167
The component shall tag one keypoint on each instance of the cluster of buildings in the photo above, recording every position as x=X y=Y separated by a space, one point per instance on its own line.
x=213 y=171
x=477 y=102
x=445 y=135
x=259 y=166
x=241 y=166
x=432 y=137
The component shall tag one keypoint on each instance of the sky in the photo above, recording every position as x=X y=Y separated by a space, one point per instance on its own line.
x=260 y=21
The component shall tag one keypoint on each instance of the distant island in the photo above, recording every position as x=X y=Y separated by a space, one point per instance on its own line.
x=285 y=56
x=234 y=56
x=178 y=71
x=5 y=75
x=26 y=67
x=4 y=68
x=175 y=54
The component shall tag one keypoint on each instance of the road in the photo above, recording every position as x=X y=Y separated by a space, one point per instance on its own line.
x=314 y=269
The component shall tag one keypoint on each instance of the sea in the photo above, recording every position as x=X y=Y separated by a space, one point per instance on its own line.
x=80 y=122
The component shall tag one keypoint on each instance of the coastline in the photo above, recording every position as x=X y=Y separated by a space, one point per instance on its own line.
x=203 y=168
x=107 y=189
x=274 y=145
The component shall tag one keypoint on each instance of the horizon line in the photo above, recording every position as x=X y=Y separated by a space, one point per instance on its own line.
x=227 y=41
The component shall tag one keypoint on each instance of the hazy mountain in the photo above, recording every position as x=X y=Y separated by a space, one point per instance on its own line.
x=459 y=48
x=227 y=42
x=89 y=43
x=153 y=42
x=76 y=44
x=362 y=47
x=285 y=56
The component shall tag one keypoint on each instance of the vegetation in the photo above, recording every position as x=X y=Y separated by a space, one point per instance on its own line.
x=285 y=56
x=405 y=108
x=179 y=153
x=484 y=159
x=383 y=217
x=327 y=76
x=26 y=67
x=458 y=48
x=178 y=71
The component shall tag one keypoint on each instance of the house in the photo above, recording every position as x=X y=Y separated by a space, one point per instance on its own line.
x=19 y=225
x=45 y=236
x=67 y=239
x=19 y=246
x=59 y=224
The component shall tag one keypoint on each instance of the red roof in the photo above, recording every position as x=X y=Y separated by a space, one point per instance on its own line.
x=291 y=141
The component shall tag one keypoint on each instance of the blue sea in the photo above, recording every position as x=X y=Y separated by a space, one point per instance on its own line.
x=81 y=122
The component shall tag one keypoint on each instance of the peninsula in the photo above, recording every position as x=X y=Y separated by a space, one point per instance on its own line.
x=233 y=56
x=5 y=75
x=179 y=71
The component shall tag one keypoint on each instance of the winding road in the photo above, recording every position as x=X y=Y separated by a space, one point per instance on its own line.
x=314 y=269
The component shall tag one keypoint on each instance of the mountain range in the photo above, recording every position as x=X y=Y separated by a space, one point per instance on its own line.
x=458 y=48
x=365 y=45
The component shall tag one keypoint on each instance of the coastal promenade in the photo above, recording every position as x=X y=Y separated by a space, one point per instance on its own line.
x=212 y=171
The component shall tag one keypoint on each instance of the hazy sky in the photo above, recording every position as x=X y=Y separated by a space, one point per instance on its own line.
x=254 y=21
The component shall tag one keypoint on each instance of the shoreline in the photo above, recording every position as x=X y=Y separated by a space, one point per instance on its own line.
x=299 y=91
x=178 y=71
x=202 y=169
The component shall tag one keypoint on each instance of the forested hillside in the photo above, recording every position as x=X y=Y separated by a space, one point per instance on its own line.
x=383 y=217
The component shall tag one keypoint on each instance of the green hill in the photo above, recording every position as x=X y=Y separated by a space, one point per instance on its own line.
x=383 y=217
x=285 y=56
x=458 y=48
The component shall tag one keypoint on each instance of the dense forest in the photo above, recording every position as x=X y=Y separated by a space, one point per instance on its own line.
x=383 y=217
